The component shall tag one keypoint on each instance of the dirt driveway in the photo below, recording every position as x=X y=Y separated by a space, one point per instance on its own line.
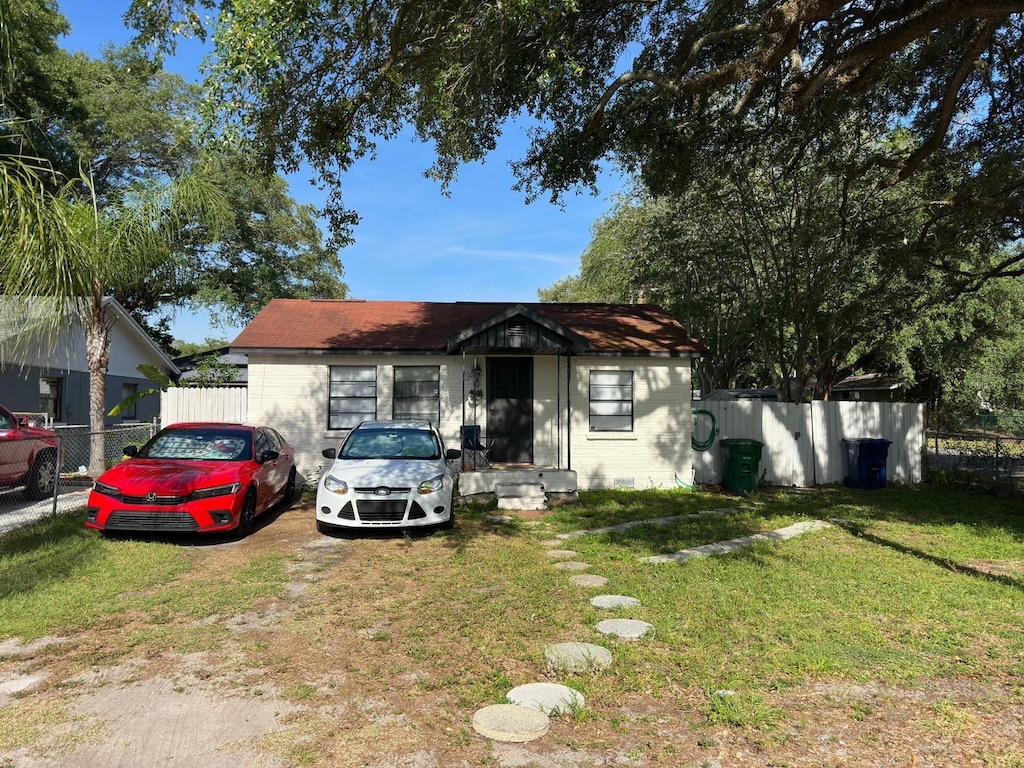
x=352 y=664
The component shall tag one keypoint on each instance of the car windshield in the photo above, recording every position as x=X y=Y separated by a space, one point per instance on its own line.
x=391 y=444
x=206 y=444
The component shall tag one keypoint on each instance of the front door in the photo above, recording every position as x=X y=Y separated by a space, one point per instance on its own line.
x=510 y=410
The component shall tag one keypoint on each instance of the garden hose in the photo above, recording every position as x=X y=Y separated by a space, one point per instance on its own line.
x=703 y=445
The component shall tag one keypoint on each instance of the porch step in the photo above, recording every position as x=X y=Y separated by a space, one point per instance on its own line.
x=521 y=496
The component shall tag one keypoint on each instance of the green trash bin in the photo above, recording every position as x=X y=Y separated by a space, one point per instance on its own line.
x=742 y=459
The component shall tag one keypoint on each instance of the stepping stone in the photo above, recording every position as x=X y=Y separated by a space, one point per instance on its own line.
x=551 y=543
x=625 y=629
x=572 y=565
x=21 y=683
x=614 y=601
x=725 y=547
x=511 y=723
x=589 y=580
x=549 y=698
x=652 y=521
x=565 y=554
x=577 y=657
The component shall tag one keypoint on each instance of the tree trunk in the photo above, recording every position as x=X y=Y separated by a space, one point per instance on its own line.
x=97 y=351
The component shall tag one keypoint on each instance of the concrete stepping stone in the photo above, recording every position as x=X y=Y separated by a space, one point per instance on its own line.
x=651 y=521
x=589 y=580
x=511 y=723
x=565 y=554
x=577 y=657
x=552 y=543
x=614 y=601
x=725 y=547
x=550 y=698
x=572 y=565
x=625 y=629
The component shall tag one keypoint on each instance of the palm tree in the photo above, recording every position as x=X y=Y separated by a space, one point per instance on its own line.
x=70 y=252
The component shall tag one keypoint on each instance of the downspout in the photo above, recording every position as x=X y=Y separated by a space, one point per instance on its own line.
x=463 y=423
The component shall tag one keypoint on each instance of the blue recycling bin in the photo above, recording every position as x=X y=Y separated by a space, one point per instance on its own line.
x=865 y=462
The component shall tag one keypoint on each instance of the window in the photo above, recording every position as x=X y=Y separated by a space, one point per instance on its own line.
x=128 y=390
x=262 y=444
x=611 y=401
x=417 y=393
x=49 y=397
x=353 y=395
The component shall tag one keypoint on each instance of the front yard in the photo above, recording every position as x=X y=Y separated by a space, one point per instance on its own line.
x=893 y=639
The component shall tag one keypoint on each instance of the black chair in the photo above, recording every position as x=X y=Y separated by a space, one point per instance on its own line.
x=472 y=442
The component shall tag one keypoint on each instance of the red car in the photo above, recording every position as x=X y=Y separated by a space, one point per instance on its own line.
x=28 y=456
x=201 y=477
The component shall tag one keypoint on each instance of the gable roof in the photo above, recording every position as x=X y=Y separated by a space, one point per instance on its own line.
x=315 y=325
x=24 y=316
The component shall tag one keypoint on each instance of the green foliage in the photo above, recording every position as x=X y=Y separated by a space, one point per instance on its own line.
x=659 y=88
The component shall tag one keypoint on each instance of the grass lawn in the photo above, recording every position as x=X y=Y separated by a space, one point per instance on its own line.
x=898 y=632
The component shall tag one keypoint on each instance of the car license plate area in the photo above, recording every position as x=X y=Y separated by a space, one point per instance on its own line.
x=390 y=511
x=121 y=520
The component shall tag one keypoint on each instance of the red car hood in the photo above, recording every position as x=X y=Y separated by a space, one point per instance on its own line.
x=137 y=477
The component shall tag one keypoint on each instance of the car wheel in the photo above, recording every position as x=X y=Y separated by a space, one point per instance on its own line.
x=289 y=489
x=42 y=477
x=247 y=520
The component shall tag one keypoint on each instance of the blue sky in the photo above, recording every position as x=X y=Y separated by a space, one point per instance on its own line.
x=482 y=243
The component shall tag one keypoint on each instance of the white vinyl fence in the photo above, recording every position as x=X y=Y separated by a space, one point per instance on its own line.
x=229 y=404
x=803 y=442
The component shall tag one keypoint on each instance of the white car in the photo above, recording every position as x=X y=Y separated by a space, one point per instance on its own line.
x=388 y=474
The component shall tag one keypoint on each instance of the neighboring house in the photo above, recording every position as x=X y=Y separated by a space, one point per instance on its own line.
x=596 y=392
x=190 y=366
x=51 y=376
x=870 y=387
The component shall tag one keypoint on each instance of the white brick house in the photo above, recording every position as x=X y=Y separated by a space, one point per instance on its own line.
x=573 y=396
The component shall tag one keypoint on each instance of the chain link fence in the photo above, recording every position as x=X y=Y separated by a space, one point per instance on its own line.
x=975 y=454
x=40 y=477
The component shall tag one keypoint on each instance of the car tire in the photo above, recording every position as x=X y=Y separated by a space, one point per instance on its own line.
x=42 y=477
x=247 y=518
x=289 y=489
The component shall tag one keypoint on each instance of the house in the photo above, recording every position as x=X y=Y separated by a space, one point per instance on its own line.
x=50 y=376
x=568 y=396
x=870 y=387
x=221 y=359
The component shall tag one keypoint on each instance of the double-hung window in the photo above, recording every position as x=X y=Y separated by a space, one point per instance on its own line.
x=353 y=395
x=611 y=401
x=417 y=393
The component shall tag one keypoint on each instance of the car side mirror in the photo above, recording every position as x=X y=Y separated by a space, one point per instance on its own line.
x=269 y=455
x=329 y=453
x=131 y=450
x=452 y=454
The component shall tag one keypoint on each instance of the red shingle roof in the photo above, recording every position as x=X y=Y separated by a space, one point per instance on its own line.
x=394 y=326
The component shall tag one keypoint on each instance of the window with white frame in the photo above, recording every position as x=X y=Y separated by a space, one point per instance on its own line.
x=611 y=401
x=417 y=393
x=353 y=395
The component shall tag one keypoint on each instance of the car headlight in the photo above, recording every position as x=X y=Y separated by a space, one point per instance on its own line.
x=433 y=485
x=335 y=484
x=106 y=490
x=220 y=490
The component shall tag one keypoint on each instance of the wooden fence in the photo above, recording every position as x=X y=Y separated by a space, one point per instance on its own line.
x=803 y=442
x=204 y=404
